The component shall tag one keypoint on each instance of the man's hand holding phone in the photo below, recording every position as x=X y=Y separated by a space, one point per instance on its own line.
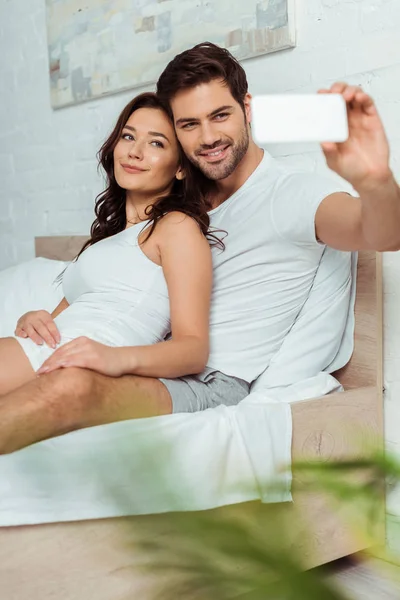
x=343 y=119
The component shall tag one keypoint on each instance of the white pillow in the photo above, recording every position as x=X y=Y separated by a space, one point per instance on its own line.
x=321 y=338
x=28 y=286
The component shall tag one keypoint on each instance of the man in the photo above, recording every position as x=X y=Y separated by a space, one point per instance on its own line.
x=278 y=223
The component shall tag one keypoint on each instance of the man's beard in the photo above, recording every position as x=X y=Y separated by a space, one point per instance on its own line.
x=217 y=171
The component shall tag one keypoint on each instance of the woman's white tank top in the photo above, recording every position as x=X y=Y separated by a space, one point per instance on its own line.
x=117 y=295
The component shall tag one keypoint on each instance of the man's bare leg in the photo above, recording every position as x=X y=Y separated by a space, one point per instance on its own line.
x=70 y=399
x=15 y=368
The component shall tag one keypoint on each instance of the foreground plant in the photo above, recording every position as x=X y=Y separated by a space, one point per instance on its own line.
x=247 y=551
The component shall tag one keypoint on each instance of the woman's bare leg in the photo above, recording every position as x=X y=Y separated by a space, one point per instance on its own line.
x=15 y=368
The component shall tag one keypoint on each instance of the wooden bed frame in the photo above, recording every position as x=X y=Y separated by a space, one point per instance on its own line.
x=90 y=560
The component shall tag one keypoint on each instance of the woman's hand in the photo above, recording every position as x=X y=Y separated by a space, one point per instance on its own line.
x=87 y=354
x=39 y=326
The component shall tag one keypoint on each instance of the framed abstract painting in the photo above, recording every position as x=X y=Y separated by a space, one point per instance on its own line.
x=100 y=47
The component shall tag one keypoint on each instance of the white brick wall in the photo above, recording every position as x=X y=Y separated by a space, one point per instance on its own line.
x=47 y=158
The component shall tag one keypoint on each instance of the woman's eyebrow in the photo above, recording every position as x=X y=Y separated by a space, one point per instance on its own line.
x=153 y=133
x=157 y=134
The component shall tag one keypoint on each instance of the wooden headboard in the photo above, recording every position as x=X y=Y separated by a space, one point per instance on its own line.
x=61 y=247
x=365 y=366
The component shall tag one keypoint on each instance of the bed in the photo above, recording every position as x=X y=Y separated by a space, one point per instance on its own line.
x=88 y=559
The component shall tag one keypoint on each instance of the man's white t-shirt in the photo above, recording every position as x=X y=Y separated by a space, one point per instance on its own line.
x=264 y=275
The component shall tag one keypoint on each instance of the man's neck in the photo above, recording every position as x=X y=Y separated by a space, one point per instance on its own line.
x=225 y=188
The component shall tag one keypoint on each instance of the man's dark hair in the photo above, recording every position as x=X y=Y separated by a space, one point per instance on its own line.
x=201 y=64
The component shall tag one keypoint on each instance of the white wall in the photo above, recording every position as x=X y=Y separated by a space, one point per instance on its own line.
x=47 y=158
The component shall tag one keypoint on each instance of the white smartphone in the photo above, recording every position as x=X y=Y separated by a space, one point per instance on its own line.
x=299 y=118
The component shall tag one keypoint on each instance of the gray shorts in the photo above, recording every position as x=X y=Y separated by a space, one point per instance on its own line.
x=207 y=390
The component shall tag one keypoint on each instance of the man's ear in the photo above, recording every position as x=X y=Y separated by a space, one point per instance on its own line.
x=180 y=174
x=247 y=107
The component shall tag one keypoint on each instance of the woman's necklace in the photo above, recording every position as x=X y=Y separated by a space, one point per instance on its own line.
x=139 y=220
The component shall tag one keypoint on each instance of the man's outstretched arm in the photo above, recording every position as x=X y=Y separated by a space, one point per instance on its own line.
x=371 y=221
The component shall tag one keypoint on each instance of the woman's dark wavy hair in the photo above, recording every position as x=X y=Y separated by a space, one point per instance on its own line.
x=188 y=196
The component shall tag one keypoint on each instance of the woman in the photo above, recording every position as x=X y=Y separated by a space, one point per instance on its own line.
x=145 y=271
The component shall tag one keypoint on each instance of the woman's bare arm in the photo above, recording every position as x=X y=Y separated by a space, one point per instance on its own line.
x=187 y=265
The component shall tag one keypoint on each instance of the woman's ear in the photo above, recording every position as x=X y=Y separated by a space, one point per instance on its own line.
x=180 y=174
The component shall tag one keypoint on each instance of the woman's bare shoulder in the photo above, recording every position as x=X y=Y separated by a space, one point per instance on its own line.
x=177 y=219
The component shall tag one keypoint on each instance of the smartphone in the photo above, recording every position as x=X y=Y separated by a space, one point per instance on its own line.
x=285 y=118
